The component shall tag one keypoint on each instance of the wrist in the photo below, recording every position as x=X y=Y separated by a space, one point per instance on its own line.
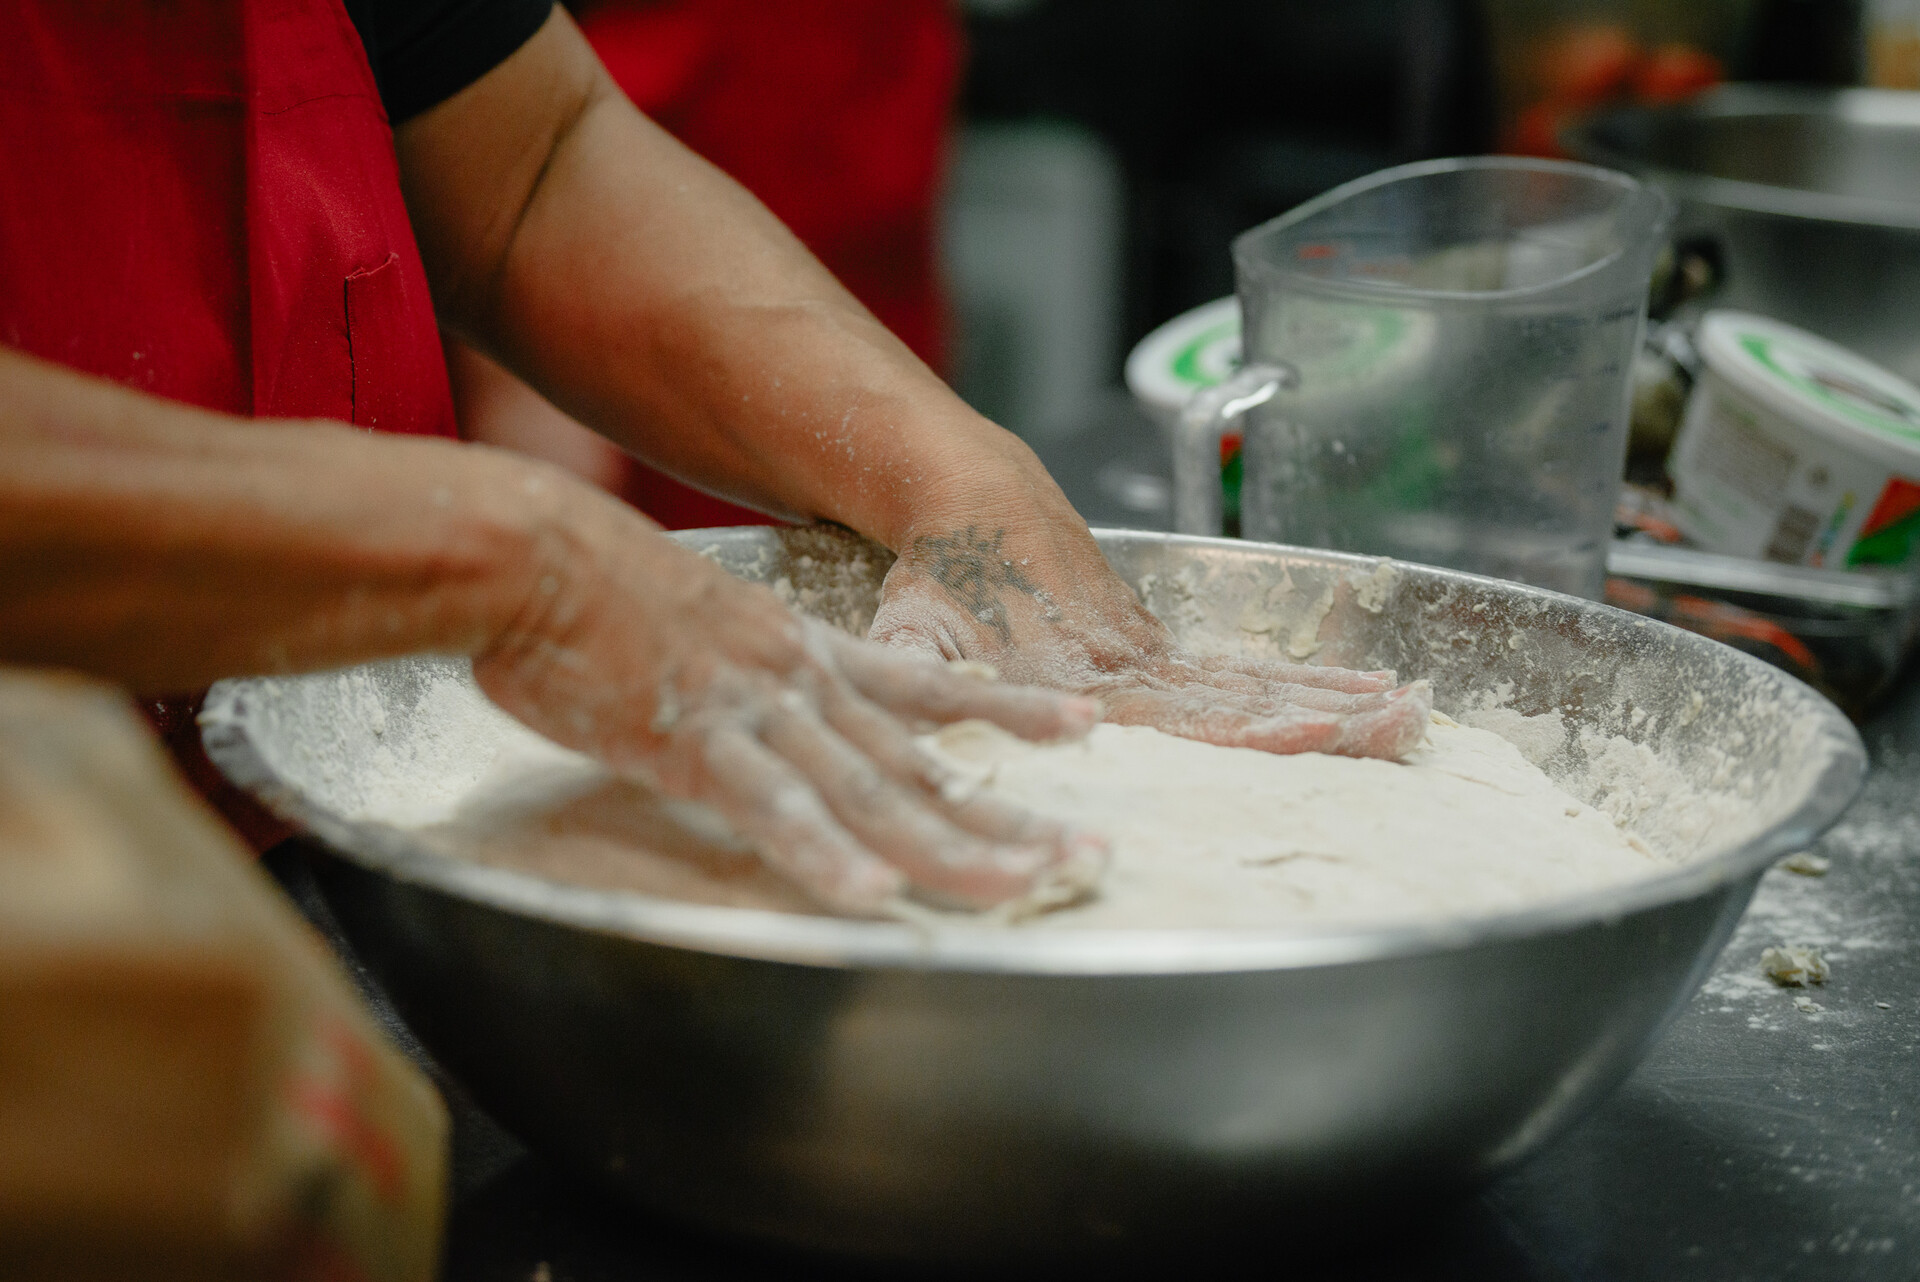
x=986 y=478
x=511 y=533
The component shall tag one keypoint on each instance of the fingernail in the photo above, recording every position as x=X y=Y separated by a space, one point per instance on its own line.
x=866 y=892
x=957 y=789
x=1083 y=855
x=1075 y=876
x=1025 y=860
x=1080 y=714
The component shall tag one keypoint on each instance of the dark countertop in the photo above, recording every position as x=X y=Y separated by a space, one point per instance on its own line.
x=1758 y=1141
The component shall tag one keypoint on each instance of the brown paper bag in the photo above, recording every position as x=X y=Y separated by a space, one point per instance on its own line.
x=189 y=1085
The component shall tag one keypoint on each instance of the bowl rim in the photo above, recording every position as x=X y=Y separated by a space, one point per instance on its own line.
x=765 y=935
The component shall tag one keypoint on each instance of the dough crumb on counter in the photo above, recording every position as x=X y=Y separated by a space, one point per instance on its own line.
x=1794 y=967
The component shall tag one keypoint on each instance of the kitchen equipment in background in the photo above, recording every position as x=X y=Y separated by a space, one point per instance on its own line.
x=1031 y=243
x=1190 y=353
x=1556 y=59
x=1112 y=464
x=1194 y=350
x=1796 y=450
x=1225 y=113
x=871 y=1087
x=1812 y=195
x=1845 y=633
x=1439 y=369
x=1892 y=44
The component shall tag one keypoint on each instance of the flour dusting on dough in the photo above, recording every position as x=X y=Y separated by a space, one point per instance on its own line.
x=1204 y=836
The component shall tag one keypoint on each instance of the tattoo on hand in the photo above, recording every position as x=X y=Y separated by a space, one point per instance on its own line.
x=973 y=572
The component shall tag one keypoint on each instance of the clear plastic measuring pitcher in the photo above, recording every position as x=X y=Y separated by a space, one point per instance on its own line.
x=1439 y=367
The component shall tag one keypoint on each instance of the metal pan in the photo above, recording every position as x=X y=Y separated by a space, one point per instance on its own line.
x=971 y=1094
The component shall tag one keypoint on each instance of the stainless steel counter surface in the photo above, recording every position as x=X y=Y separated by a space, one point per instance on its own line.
x=1758 y=1141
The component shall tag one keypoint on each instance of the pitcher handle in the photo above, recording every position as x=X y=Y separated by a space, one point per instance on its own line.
x=1204 y=423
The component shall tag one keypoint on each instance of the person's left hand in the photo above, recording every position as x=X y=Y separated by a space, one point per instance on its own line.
x=1043 y=607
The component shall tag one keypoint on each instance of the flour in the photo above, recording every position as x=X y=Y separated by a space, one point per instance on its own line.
x=1175 y=598
x=826 y=580
x=1304 y=642
x=1539 y=738
x=1371 y=592
x=406 y=752
x=1266 y=614
x=1658 y=761
x=1204 y=836
x=1683 y=805
x=1843 y=922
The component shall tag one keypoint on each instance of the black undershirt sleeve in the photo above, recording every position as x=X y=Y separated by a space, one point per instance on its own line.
x=425 y=51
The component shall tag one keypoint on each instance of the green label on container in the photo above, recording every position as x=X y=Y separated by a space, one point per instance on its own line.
x=1870 y=407
x=1186 y=361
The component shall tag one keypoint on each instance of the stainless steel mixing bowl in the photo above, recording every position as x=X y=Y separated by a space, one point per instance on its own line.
x=1811 y=195
x=879 y=1089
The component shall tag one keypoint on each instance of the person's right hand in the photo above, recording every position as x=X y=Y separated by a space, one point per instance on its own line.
x=657 y=662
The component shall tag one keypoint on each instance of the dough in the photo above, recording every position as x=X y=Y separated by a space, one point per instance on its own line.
x=1231 y=837
x=1201 y=836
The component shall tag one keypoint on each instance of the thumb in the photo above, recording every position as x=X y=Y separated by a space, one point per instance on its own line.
x=909 y=622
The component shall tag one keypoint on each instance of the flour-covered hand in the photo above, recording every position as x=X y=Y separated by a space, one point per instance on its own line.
x=654 y=660
x=1042 y=606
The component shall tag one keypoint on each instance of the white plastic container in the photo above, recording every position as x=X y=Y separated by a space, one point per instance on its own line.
x=1796 y=450
x=1194 y=350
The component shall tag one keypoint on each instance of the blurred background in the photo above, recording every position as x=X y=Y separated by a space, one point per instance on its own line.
x=1022 y=189
x=1109 y=150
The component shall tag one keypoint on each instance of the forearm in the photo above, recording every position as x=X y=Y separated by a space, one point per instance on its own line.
x=164 y=546
x=653 y=298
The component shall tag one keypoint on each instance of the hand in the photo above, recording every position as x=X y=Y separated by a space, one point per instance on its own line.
x=654 y=660
x=1043 y=607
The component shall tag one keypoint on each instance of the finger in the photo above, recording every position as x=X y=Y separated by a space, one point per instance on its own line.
x=1348 y=680
x=957 y=797
x=1390 y=730
x=773 y=805
x=1267 y=699
x=941 y=860
x=1320 y=699
x=887 y=741
x=1213 y=721
x=910 y=637
x=907 y=685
